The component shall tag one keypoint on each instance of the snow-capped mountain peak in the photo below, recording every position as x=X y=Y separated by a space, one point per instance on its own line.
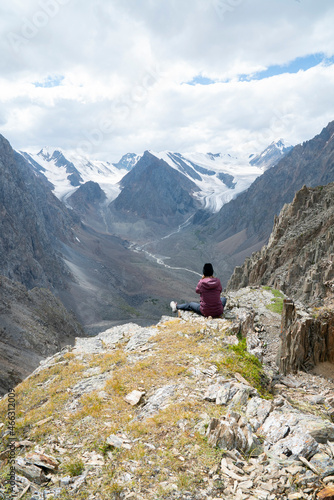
x=128 y=161
x=271 y=155
x=282 y=144
x=67 y=171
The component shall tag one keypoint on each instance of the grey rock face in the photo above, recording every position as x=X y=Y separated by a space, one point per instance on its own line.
x=157 y=401
x=299 y=257
x=295 y=434
x=33 y=223
x=232 y=432
x=306 y=340
x=86 y=196
x=153 y=190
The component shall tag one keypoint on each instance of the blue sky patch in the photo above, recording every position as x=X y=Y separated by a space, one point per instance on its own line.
x=201 y=80
x=299 y=64
x=49 y=82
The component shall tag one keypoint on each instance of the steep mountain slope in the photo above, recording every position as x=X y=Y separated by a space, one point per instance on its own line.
x=154 y=198
x=33 y=224
x=299 y=257
x=33 y=325
x=153 y=190
x=244 y=224
x=88 y=201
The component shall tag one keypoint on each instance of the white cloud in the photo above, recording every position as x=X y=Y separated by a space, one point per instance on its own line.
x=119 y=71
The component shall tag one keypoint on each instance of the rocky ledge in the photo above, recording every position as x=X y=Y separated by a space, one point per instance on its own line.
x=171 y=412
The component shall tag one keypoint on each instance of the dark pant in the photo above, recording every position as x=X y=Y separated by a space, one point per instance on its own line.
x=190 y=306
x=195 y=306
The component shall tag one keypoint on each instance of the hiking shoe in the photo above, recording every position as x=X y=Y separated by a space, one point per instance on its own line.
x=173 y=306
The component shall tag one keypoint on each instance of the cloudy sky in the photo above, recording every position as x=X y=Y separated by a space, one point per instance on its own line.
x=108 y=77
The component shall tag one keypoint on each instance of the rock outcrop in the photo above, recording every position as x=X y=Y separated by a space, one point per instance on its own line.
x=299 y=257
x=306 y=340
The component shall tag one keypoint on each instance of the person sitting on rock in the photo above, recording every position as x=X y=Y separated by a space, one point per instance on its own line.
x=209 y=288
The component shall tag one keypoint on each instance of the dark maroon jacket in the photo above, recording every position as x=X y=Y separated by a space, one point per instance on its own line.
x=210 y=303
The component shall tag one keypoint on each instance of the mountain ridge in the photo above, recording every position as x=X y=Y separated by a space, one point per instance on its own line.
x=181 y=409
x=271 y=155
x=299 y=257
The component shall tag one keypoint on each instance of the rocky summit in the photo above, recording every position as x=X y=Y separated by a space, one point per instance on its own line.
x=191 y=408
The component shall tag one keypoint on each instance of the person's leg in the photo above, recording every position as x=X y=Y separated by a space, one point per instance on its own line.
x=189 y=306
x=223 y=301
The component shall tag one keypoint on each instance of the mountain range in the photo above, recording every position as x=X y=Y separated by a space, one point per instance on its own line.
x=222 y=205
x=44 y=243
x=219 y=177
x=153 y=191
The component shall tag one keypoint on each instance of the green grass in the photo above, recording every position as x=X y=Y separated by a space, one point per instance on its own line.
x=276 y=305
x=238 y=359
x=75 y=468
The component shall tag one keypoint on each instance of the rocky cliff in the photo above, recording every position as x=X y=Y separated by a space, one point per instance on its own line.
x=307 y=338
x=299 y=257
x=33 y=224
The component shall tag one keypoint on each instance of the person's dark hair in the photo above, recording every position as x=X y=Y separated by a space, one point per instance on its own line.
x=208 y=269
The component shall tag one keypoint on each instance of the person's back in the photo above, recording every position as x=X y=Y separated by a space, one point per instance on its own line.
x=210 y=289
